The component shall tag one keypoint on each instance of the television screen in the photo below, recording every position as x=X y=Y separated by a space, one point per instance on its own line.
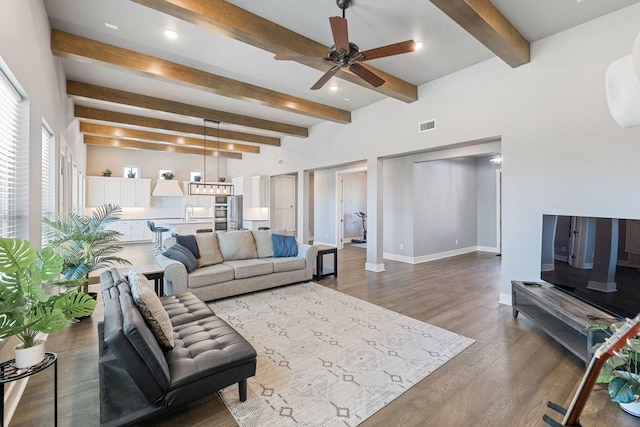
x=595 y=259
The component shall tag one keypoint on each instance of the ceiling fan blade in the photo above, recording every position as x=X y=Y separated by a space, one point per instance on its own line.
x=366 y=75
x=297 y=58
x=325 y=77
x=340 y=33
x=389 y=50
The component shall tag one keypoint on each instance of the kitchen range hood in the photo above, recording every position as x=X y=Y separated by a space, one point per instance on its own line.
x=167 y=188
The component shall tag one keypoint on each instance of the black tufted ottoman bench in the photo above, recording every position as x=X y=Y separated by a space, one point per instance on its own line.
x=139 y=380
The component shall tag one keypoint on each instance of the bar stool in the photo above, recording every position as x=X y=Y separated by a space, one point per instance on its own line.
x=157 y=245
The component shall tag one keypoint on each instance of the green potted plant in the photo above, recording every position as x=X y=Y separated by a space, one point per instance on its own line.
x=85 y=243
x=106 y=172
x=27 y=305
x=621 y=372
x=131 y=174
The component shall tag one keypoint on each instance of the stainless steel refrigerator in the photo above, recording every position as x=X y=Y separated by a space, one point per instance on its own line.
x=235 y=220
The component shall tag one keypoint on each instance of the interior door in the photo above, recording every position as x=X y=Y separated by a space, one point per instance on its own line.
x=284 y=188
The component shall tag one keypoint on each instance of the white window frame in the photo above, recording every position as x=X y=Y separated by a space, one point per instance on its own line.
x=10 y=119
x=48 y=183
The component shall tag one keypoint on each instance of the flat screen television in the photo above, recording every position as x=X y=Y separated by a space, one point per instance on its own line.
x=594 y=259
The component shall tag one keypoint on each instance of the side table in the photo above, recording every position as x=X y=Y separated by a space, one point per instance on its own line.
x=150 y=271
x=321 y=272
x=9 y=373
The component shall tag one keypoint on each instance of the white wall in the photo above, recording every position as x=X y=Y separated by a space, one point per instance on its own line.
x=552 y=118
x=487 y=200
x=25 y=49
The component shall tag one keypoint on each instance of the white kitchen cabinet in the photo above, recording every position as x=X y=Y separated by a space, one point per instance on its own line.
x=101 y=190
x=124 y=192
x=136 y=231
x=135 y=192
x=259 y=192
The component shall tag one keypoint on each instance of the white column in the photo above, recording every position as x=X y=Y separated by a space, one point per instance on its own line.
x=374 y=215
x=303 y=207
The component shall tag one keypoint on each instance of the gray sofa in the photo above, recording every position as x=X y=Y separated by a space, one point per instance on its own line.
x=236 y=262
x=140 y=380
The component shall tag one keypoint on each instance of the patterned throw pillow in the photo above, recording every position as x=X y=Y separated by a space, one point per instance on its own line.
x=153 y=312
x=284 y=246
x=182 y=254
x=138 y=278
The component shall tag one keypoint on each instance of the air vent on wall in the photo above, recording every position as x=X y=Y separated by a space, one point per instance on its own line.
x=426 y=126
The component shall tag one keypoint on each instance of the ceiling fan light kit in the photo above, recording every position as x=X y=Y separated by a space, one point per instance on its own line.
x=345 y=54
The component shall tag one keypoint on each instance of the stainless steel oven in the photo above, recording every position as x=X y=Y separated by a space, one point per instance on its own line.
x=220 y=200
x=220 y=212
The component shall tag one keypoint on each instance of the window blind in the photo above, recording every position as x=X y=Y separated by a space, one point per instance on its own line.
x=9 y=116
x=48 y=179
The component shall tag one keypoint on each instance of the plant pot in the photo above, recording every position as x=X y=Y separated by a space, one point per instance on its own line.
x=632 y=408
x=131 y=175
x=29 y=356
x=106 y=174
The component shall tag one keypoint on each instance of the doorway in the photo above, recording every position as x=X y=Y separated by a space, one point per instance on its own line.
x=351 y=193
x=284 y=203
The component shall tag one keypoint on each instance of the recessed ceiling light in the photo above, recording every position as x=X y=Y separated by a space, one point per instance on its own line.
x=112 y=26
x=170 y=34
x=333 y=88
x=418 y=45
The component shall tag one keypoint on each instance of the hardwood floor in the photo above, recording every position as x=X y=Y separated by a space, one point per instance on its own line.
x=504 y=379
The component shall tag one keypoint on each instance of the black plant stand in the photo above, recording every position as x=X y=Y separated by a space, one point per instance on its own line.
x=9 y=373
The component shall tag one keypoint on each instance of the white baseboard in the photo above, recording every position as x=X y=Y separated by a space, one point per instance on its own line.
x=400 y=258
x=446 y=254
x=506 y=298
x=315 y=242
x=376 y=268
x=487 y=249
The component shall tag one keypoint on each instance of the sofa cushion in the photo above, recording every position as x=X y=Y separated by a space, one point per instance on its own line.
x=263 y=243
x=205 y=347
x=189 y=242
x=284 y=246
x=288 y=264
x=237 y=245
x=210 y=275
x=209 y=250
x=153 y=312
x=250 y=267
x=184 y=308
x=182 y=254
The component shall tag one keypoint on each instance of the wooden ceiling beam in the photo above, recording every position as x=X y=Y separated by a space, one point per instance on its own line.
x=67 y=45
x=85 y=90
x=100 y=115
x=140 y=145
x=232 y=21
x=483 y=21
x=141 y=135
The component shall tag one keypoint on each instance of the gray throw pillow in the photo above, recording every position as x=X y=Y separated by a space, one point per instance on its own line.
x=237 y=245
x=182 y=254
x=209 y=249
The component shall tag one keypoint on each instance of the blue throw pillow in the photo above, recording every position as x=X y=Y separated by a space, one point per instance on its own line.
x=284 y=246
x=180 y=253
x=189 y=242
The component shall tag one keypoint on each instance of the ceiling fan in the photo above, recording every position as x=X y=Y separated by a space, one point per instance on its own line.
x=344 y=54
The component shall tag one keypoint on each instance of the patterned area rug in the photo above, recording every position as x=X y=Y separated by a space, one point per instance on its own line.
x=326 y=358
